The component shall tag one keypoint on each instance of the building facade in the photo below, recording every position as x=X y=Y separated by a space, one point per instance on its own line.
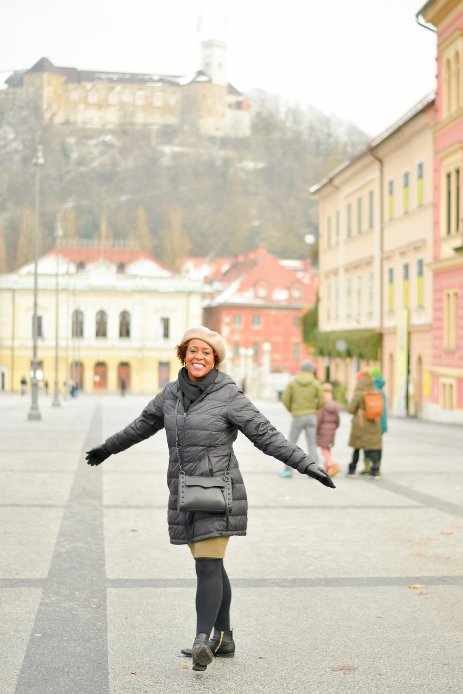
x=257 y=304
x=120 y=316
x=375 y=222
x=446 y=401
x=67 y=96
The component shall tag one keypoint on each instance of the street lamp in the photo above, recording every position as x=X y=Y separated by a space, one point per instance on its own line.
x=58 y=234
x=34 y=412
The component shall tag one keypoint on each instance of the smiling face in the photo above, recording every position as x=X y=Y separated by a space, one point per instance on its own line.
x=199 y=359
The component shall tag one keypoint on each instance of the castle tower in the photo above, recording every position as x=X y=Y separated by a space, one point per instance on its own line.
x=214 y=60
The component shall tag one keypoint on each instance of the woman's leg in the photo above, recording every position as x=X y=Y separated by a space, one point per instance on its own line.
x=222 y=623
x=209 y=593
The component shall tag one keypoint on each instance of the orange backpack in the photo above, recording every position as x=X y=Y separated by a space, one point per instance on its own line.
x=374 y=404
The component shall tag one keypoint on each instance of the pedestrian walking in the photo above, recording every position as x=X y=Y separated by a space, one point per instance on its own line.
x=23 y=385
x=122 y=386
x=327 y=423
x=365 y=429
x=302 y=397
x=202 y=412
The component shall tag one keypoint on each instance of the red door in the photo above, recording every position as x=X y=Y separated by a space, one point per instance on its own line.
x=100 y=376
x=123 y=375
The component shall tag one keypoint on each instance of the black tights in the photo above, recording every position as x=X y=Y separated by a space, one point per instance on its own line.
x=213 y=596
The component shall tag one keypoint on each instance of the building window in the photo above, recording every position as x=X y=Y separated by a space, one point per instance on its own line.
x=113 y=98
x=338 y=227
x=139 y=97
x=255 y=350
x=405 y=284
x=256 y=321
x=336 y=301
x=419 y=283
x=92 y=96
x=449 y=323
x=359 y=215
x=390 y=289
x=457 y=78
x=236 y=349
x=165 y=328
x=349 y=221
x=448 y=86
x=297 y=322
x=124 y=324
x=328 y=232
x=448 y=207
x=447 y=399
x=39 y=326
x=77 y=323
x=359 y=297
x=420 y=183
x=158 y=99
x=296 y=292
x=349 y=298
x=390 y=199
x=101 y=324
x=328 y=303
x=406 y=192
x=237 y=320
x=163 y=373
x=371 y=216
x=457 y=200
x=261 y=291
x=296 y=351
x=370 y=297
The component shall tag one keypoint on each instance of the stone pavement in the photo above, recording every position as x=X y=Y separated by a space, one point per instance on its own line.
x=357 y=589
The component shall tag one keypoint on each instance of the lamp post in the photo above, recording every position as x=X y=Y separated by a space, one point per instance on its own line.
x=34 y=412
x=58 y=234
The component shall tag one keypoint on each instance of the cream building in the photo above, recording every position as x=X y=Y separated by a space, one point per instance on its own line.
x=120 y=316
x=375 y=220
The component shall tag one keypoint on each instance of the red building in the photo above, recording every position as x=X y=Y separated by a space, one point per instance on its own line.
x=257 y=304
x=446 y=386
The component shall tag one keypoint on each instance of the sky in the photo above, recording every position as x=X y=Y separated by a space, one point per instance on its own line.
x=366 y=61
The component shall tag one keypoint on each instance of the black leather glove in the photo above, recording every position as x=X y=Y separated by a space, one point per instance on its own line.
x=96 y=455
x=312 y=470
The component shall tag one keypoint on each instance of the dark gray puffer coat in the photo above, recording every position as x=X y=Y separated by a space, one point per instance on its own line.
x=206 y=434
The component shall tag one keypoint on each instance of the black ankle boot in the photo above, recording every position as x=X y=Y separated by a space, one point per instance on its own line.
x=221 y=645
x=201 y=653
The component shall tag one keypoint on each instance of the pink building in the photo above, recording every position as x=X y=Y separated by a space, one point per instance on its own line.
x=446 y=373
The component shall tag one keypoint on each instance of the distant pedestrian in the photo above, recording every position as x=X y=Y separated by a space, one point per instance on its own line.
x=202 y=412
x=45 y=385
x=365 y=432
x=302 y=397
x=379 y=383
x=23 y=385
x=327 y=423
x=123 y=386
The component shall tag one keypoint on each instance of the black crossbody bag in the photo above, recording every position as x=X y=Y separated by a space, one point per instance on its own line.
x=201 y=493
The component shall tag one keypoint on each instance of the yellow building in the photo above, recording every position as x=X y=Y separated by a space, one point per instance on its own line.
x=120 y=316
x=375 y=221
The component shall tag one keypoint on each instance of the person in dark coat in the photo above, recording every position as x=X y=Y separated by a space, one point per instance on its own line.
x=327 y=423
x=365 y=433
x=204 y=410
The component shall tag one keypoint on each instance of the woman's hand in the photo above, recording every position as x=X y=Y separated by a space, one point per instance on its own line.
x=96 y=455
x=313 y=470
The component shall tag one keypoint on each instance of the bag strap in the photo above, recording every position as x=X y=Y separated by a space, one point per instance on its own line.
x=177 y=445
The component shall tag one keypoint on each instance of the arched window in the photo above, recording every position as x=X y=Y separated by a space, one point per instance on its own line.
x=101 y=324
x=448 y=86
x=457 y=79
x=77 y=323
x=124 y=324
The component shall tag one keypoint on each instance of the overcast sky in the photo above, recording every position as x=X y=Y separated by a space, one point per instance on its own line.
x=367 y=61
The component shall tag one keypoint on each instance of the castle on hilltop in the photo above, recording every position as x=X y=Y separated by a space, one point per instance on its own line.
x=204 y=102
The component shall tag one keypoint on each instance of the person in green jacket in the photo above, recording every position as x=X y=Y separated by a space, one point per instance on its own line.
x=303 y=397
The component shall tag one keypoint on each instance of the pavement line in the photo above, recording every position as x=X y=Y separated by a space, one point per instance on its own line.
x=68 y=649
x=303 y=582
x=420 y=497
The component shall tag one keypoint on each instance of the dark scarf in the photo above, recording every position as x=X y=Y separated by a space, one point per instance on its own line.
x=191 y=390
